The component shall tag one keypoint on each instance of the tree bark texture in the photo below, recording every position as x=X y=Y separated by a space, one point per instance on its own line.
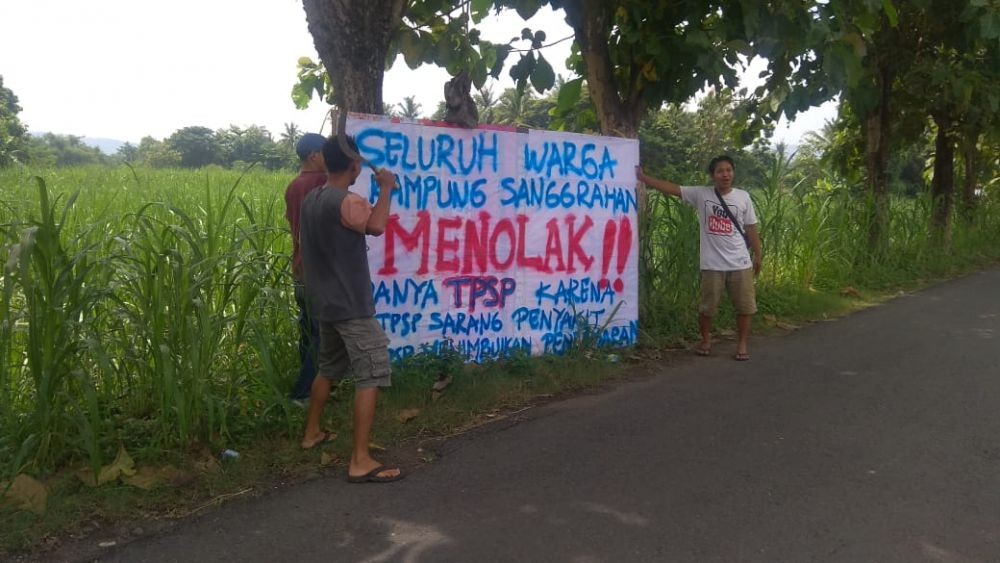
x=877 y=126
x=943 y=184
x=970 y=157
x=591 y=21
x=352 y=38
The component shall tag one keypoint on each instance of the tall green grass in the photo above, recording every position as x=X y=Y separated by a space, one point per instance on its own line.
x=147 y=309
x=153 y=309
x=815 y=240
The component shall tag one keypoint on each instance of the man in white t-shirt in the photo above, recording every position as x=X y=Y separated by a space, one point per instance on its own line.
x=729 y=260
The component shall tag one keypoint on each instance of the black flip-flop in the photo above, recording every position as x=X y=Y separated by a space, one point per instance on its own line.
x=742 y=357
x=702 y=351
x=373 y=477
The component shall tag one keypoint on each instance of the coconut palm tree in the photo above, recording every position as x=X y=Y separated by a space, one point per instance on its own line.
x=291 y=135
x=513 y=105
x=486 y=102
x=409 y=108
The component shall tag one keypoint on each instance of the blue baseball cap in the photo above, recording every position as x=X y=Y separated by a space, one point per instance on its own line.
x=308 y=144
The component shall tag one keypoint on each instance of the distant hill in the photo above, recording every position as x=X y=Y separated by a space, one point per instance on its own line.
x=106 y=146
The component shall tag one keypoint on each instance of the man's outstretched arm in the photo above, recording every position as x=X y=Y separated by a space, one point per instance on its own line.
x=662 y=186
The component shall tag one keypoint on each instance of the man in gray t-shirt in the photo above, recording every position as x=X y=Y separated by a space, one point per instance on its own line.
x=338 y=285
x=729 y=260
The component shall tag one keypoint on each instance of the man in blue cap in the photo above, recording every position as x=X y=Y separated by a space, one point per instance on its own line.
x=312 y=174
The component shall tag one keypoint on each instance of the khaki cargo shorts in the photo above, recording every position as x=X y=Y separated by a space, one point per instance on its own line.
x=739 y=284
x=355 y=348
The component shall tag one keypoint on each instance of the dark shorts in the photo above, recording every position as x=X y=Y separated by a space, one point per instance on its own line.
x=357 y=348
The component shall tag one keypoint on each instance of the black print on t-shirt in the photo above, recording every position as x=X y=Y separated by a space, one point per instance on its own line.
x=718 y=222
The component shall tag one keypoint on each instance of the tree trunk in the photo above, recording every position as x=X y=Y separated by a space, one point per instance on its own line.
x=970 y=156
x=943 y=184
x=877 y=158
x=591 y=21
x=352 y=38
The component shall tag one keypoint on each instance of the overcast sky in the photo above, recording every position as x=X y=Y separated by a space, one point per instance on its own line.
x=124 y=69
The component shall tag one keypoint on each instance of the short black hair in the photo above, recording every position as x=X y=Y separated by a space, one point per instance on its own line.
x=334 y=157
x=718 y=159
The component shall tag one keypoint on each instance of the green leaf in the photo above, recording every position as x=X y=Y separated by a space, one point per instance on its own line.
x=488 y=52
x=962 y=90
x=524 y=67
x=480 y=9
x=526 y=8
x=542 y=77
x=538 y=40
x=867 y=23
x=989 y=27
x=778 y=97
x=856 y=42
x=412 y=48
x=569 y=95
x=739 y=46
x=863 y=99
x=300 y=96
x=443 y=53
x=751 y=18
x=890 y=12
x=843 y=64
x=479 y=74
x=501 y=56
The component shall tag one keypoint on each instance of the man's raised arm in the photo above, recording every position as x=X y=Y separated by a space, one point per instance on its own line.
x=380 y=213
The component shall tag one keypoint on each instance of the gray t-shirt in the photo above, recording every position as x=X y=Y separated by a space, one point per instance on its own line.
x=334 y=259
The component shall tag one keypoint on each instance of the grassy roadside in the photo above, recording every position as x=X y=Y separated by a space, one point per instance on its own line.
x=192 y=482
x=197 y=481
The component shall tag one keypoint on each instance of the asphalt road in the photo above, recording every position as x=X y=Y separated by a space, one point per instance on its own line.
x=873 y=438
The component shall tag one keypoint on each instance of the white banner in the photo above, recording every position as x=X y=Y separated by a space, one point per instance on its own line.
x=502 y=240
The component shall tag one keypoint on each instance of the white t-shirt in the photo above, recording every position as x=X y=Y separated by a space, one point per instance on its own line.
x=722 y=247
